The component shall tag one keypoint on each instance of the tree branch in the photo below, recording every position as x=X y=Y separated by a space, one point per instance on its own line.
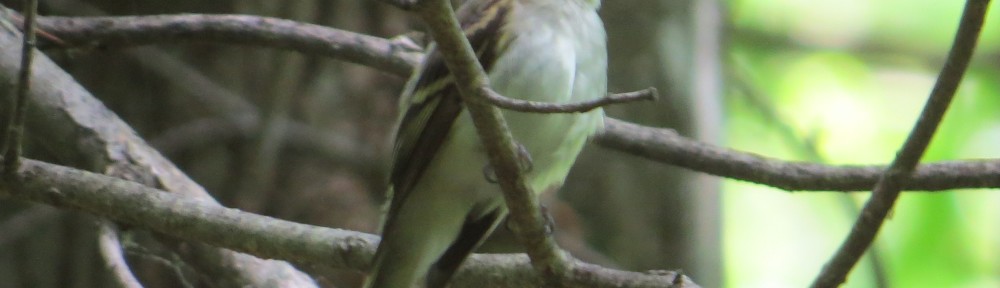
x=15 y=124
x=891 y=182
x=239 y=29
x=111 y=251
x=110 y=248
x=666 y=146
x=266 y=237
x=526 y=219
x=648 y=94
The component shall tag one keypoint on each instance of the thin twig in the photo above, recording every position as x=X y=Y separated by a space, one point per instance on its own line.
x=527 y=221
x=648 y=94
x=169 y=260
x=15 y=125
x=20 y=21
x=111 y=251
x=890 y=184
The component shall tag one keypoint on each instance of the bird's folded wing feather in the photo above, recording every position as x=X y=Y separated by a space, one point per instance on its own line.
x=432 y=103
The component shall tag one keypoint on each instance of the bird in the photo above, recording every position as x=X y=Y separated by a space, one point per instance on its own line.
x=441 y=202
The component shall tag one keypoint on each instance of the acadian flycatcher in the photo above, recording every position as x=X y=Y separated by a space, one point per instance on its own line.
x=442 y=205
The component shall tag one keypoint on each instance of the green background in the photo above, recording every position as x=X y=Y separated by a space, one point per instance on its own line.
x=842 y=82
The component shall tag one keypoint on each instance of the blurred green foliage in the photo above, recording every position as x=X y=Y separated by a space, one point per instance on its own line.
x=848 y=78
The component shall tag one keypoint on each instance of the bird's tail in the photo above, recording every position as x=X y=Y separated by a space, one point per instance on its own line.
x=400 y=261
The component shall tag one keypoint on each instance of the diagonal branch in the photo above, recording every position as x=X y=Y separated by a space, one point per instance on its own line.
x=526 y=219
x=891 y=183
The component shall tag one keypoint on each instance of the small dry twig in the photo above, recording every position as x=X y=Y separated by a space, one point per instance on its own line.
x=648 y=94
x=15 y=125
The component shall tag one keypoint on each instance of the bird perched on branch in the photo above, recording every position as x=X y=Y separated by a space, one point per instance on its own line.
x=442 y=204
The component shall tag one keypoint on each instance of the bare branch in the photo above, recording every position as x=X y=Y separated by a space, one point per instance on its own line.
x=266 y=237
x=15 y=124
x=111 y=251
x=887 y=189
x=233 y=29
x=666 y=146
x=166 y=258
x=526 y=219
x=648 y=94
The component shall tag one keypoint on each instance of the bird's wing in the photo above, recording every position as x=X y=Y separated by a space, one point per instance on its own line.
x=432 y=102
x=430 y=105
